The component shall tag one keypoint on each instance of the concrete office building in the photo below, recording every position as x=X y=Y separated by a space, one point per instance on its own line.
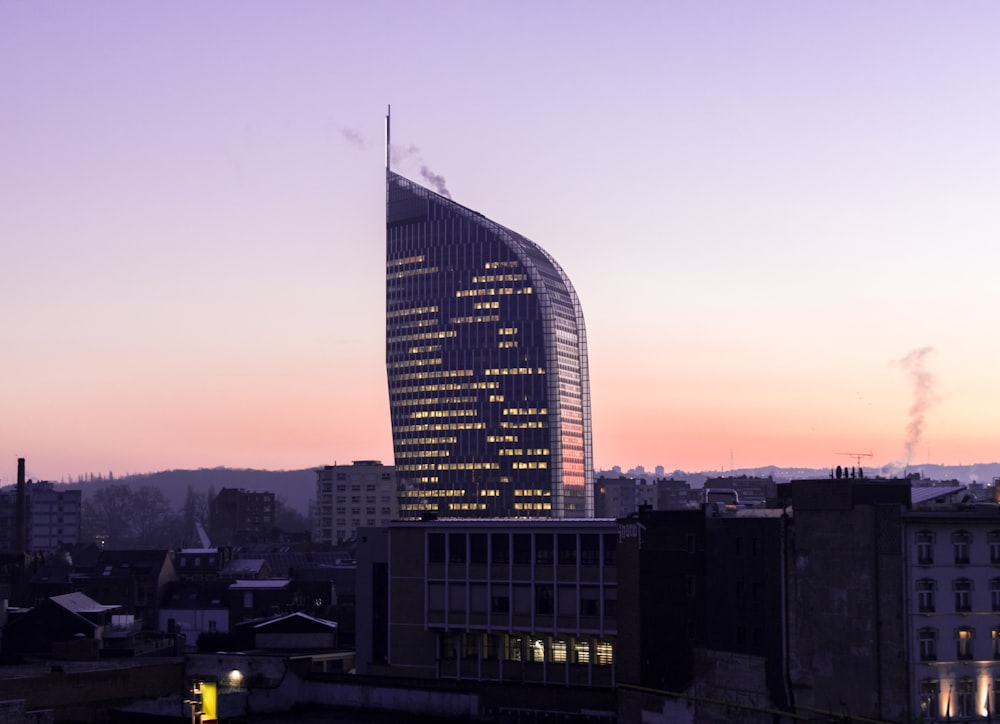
x=50 y=518
x=526 y=601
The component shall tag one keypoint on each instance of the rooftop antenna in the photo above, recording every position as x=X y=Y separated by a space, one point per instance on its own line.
x=388 y=112
x=857 y=455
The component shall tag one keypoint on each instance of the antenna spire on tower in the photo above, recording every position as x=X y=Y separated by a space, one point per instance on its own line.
x=388 y=112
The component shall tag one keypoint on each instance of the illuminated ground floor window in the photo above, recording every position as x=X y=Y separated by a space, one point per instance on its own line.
x=525 y=647
x=929 y=690
x=513 y=648
x=966 y=690
x=604 y=653
x=960 y=698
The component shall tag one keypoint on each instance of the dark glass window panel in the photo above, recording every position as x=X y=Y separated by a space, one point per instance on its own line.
x=435 y=548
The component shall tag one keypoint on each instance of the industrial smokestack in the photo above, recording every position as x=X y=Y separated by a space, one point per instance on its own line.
x=21 y=509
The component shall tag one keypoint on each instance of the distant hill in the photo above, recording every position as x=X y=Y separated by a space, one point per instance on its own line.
x=295 y=488
x=978 y=473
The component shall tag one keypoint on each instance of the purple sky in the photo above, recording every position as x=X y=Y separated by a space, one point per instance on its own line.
x=762 y=207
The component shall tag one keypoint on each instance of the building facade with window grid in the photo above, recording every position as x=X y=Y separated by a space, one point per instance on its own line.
x=486 y=358
x=237 y=515
x=952 y=570
x=52 y=517
x=531 y=601
x=348 y=497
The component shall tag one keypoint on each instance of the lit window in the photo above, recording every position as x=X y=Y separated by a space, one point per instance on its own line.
x=929 y=690
x=964 y=643
x=604 y=653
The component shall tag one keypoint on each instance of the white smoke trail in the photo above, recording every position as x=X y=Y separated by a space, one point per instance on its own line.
x=435 y=180
x=923 y=397
x=354 y=137
x=402 y=154
x=411 y=155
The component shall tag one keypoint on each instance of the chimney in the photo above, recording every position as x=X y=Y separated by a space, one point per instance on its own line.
x=20 y=512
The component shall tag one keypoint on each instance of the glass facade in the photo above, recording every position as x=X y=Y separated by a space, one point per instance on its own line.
x=486 y=356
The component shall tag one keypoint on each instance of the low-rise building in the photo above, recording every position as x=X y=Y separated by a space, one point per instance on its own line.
x=201 y=564
x=516 y=600
x=257 y=599
x=193 y=608
x=133 y=579
x=622 y=496
x=72 y=622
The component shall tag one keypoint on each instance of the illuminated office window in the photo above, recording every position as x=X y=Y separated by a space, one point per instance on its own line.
x=559 y=649
x=963 y=639
x=604 y=652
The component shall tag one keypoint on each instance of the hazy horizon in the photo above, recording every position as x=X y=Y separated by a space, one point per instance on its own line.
x=845 y=463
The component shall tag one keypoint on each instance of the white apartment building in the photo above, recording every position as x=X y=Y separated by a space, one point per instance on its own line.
x=51 y=516
x=362 y=494
x=952 y=569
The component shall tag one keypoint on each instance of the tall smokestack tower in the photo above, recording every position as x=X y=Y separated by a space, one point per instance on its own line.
x=21 y=509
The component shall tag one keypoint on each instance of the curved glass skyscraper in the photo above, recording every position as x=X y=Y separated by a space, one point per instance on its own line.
x=486 y=355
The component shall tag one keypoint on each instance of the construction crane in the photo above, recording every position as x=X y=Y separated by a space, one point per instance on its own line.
x=857 y=455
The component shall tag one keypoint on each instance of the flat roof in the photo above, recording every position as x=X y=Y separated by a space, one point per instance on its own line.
x=80 y=603
x=265 y=583
x=41 y=667
x=494 y=523
x=923 y=493
x=298 y=615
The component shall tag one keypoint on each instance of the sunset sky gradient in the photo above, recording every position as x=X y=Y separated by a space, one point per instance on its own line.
x=764 y=207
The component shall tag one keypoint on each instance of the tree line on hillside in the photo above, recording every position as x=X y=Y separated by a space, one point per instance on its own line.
x=297 y=488
x=128 y=516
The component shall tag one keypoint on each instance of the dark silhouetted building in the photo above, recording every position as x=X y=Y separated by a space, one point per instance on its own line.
x=241 y=516
x=795 y=607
